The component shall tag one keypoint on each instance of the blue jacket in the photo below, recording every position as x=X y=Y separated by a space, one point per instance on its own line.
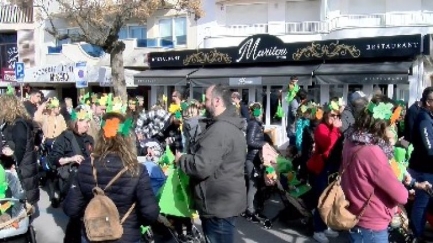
x=422 y=140
x=157 y=176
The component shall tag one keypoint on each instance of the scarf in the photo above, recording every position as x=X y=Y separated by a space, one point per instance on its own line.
x=364 y=138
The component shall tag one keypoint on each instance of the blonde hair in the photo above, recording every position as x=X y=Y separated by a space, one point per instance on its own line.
x=124 y=146
x=192 y=111
x=12 y=108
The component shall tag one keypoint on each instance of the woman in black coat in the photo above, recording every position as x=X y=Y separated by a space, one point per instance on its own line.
x=113 y=153
x=18 y=144
x=255 y=140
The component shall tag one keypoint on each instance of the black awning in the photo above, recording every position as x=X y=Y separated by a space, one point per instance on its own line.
x=176 y=77
x=364 y=73
x=252 y=76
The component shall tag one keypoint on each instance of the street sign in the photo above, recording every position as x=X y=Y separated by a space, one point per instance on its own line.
x=19 y=71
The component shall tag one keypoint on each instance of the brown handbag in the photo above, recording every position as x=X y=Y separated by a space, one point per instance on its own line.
x=333 y=205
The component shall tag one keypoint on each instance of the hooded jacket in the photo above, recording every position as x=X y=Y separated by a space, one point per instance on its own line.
x=216 y=167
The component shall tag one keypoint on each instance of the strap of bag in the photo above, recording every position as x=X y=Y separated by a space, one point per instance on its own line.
x=111 y=183
x=372 y=193
x=75 y=146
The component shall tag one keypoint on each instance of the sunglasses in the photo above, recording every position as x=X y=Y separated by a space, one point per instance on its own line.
x=335 y=116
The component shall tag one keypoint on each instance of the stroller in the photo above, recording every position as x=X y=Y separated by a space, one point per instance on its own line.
x=15 y=215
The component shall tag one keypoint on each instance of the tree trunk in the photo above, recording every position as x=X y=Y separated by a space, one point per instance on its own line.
x=118 y=71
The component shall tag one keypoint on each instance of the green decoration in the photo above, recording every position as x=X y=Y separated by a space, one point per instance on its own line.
x=280 y=111
x=313 y=111
x=74 y=116
x=400 y=154
x=167 y=158
x=144 y=229
x=125 y=127
x=203 y=98
x=174 y=197
x=409 y=151
x=291 y=93
x=401 y=103
x=270 y=170
x=84 y=98
x=333 y=106
x=370 y=107
x=109 y=106
x=178 y=115
x=184 y=106
x=284 y=165
x=303 y=108
x=3 y=182
x=257 y=112
x=10 y=90
x=383 y=111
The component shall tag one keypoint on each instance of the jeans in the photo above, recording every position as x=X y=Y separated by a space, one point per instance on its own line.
x=422 y=199
x=252 y=185
x=217 y=230
x=363 y=235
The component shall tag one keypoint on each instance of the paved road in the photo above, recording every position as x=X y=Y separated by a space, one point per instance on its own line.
x=51 y=223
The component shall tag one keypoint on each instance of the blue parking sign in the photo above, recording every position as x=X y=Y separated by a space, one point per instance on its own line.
x=19 y=71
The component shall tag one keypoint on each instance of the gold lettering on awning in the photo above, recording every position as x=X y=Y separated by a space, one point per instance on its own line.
x=331 y=50
x=207 y=58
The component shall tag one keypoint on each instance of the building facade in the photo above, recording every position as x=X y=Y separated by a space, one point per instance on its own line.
x=229 y=22
x=51 y=64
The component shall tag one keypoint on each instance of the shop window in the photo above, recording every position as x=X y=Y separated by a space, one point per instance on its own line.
x=354 y=87
x=336 y=91
x=173 y=30
x=274 y=98
x=314 y=93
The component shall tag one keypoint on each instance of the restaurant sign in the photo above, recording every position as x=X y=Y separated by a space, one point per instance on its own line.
x=264 y=48
x=245 y=81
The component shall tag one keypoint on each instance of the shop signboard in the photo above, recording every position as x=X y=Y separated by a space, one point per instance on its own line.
x=81 y=75
x=245 y=81
x=264 y=48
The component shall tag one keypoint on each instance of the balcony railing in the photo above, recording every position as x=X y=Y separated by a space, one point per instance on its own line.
x=382 y=20
x=12 y=14
x=307 y=27
x=395 y=19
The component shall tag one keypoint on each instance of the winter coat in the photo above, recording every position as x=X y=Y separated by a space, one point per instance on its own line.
x=20 y=138
x=216 y=167
x=124 y=192
x=255 y=140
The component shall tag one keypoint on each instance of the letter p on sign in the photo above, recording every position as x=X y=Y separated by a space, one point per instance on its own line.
x=19 y=71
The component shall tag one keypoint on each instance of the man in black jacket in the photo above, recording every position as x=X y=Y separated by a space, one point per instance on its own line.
x=421 y=158
x=216 y=168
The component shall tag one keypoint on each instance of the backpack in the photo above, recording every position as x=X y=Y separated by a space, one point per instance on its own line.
x=333 y=205
x=101 y=217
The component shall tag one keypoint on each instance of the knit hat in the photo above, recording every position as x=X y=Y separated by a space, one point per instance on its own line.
x=356 y=95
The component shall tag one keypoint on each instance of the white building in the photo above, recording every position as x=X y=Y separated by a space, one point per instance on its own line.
x=228 y=22
x=50 y=63
x=333 y=46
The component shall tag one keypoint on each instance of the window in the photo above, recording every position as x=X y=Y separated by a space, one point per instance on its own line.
x=135 y=31
x=71 y=31
x=138 y=32
x=173 y=30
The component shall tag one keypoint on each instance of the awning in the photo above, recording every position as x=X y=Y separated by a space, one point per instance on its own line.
x=252 y=76
x=364 y=73
x=176 y=77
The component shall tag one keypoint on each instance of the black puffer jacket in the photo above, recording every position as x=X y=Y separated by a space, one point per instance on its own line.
x=124 y=192
x=255 y=140
x=20 y=138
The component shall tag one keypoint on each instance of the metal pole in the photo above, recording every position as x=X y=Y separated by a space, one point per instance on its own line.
x=22 y=91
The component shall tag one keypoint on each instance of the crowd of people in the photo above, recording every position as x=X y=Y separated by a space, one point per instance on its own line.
x=82 y=153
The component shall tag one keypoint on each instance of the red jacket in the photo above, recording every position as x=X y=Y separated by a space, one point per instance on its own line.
x=325 y=138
